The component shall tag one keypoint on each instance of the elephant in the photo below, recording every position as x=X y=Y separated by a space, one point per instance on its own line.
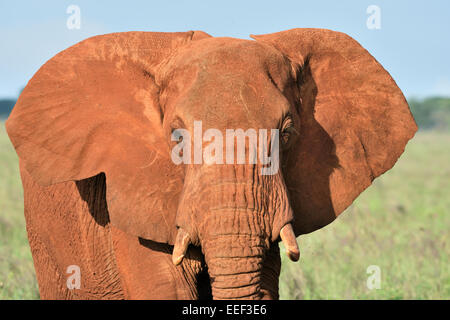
x=95 y=133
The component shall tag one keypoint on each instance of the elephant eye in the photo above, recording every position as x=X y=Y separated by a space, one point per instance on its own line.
x=287 y=130
x=285 y=135
x=178 y=139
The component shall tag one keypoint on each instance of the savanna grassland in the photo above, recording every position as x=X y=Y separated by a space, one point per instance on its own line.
x=17 y=276
x=400 y=224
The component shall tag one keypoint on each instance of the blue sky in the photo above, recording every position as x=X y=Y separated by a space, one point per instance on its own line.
x=412 y=43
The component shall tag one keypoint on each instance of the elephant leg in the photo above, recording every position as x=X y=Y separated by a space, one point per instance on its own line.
x=148 y=272
x=68 y=228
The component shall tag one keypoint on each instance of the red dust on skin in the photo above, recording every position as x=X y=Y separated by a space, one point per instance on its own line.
x=93 y=127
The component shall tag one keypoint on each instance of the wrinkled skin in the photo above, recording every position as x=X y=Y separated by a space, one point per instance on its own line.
x=93 y=133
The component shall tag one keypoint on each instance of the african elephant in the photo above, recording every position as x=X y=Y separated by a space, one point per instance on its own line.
x=94 y=131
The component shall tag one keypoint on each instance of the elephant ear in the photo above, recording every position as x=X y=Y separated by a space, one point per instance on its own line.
x=354 y=123
x=94 y=108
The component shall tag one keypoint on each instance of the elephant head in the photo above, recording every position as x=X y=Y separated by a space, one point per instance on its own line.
x=113 y=104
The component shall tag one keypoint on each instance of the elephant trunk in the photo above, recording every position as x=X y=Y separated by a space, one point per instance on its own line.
x=235 y=263
x=235 y=215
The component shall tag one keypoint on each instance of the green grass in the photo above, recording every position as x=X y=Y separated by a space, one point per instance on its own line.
x=17 y=276
x=399 y=224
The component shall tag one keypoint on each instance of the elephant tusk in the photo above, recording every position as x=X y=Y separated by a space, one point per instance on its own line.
x=290 y=242
x=181 y=244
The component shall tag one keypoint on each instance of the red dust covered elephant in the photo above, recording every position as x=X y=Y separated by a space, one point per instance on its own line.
x=94 y=130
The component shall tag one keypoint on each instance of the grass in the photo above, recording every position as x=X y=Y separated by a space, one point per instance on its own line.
x=17 y=276
x=399 y=224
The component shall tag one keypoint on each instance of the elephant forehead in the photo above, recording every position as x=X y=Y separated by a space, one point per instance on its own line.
x=225 y=60
x=227 y=80
x=222 y=52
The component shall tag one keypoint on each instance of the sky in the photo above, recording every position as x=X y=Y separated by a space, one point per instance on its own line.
x=409 y=38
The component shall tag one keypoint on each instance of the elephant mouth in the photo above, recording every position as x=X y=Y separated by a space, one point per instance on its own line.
x=287 y=236
x=240 y=273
